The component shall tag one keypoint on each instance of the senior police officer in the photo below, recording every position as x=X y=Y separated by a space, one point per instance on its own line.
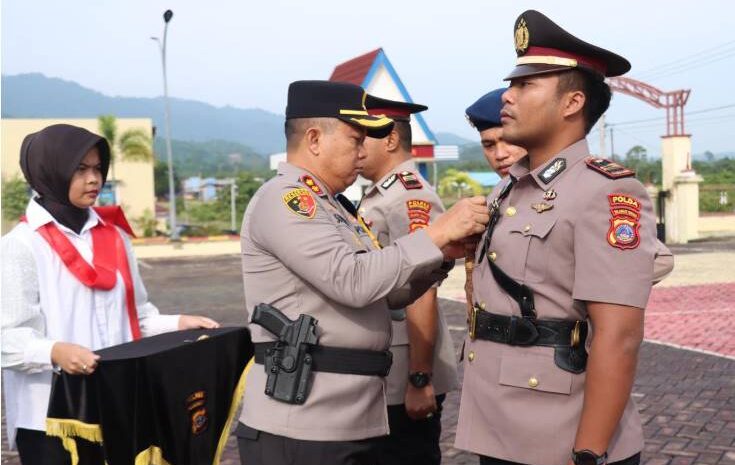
x=563 y=273
x=318 y=289
x=399 y=202
x=484 y=115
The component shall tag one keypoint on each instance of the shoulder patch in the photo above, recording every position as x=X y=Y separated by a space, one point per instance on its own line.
x=553 y=170
x=311 y=184
x=625 y=212
x=419 y=214
x=300 y=202
x=409 y=180
x=609 y=168
x=389 y=182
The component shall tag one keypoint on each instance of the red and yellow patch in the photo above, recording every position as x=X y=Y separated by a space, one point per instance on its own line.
x=300 y=202
x=196 y=405
x=624 y=223
x=311 y=184
x=419 y=214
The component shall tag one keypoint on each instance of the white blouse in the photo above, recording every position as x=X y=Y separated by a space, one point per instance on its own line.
x=44 y=303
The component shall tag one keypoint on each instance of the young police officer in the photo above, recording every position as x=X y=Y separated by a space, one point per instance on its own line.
x=316 y=393
x=484 y=115
x=398 y=203
x=562 y=275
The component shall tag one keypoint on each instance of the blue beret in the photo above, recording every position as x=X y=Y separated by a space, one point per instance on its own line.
x=485 y=112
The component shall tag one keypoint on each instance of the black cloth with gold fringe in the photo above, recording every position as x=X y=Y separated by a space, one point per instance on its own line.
x=165 y=400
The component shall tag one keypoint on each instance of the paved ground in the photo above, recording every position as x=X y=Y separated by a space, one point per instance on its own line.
x=686 y=398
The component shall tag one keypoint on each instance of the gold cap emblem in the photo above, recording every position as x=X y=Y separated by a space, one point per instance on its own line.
x=521 y=37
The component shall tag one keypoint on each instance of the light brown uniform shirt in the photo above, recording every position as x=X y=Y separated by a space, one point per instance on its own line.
x=579 y=250
x=393 y=209
x=303 y=253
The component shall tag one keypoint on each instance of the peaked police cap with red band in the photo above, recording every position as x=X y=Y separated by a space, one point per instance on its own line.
x=394 y=109
x=543 y=47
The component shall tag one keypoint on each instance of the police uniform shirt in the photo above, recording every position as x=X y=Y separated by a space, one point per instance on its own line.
x=572 y=235
x=302 y=252
x=399 y=204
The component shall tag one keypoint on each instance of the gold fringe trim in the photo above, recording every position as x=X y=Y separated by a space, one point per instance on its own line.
x=236 y=400
x=151 y=456
x=65 y=428
x=70 y=444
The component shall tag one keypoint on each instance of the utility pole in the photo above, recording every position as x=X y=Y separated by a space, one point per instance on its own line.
x=167 y=116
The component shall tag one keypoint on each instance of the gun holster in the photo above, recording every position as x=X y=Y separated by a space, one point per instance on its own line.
x=573 y=358
x=288 y=370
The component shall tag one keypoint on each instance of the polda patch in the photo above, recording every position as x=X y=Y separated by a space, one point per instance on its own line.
x=300 y=202
x=625 y=212
x=419 y=214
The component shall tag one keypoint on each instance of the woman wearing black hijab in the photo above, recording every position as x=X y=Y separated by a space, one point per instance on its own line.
x=70 y=284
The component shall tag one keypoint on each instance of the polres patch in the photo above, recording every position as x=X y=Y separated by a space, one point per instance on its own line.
x=300 y=202
x=419 y=214
x=625 y=212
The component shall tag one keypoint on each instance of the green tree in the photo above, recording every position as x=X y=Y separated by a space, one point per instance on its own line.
x=15 y=198
x=458 y=183
x=160 y=179
x=132 y=145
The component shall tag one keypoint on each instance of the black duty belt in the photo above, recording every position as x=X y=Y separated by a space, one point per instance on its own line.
x=339 y=360
x=518 y=331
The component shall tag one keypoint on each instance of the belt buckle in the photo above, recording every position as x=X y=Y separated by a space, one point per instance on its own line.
x=576 y=334
x=473 y=322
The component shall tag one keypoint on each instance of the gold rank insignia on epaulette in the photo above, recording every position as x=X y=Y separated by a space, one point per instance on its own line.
x=389 y=182
x=311 y=184
x=409 y=180
x=609 y=168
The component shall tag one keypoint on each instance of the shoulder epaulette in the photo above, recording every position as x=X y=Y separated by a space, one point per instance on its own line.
x=309 y=182
x=409 y=180
x=609 y=168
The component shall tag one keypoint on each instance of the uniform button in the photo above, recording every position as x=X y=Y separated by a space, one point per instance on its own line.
x=471 y=356
x=493 y=256
x=533 y=382
x=510 y=211
x=527 y=228
x=482 y=305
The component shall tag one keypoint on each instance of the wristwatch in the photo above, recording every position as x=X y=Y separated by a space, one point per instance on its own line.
x=419 y=379
x=587 y=457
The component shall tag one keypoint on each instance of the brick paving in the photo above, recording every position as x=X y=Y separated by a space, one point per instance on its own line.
x=686 y=398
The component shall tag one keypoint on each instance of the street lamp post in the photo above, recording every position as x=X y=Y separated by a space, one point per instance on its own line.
x=167 y=116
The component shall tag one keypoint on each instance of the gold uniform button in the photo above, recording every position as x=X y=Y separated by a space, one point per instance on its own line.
x=471 y=356
x=533 y=382
x=493 y=256
x=482 y=305
x=527 y=228
x=510 y=211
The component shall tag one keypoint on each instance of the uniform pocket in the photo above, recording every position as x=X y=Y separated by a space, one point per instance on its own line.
x=534 y=372
x=537 y=250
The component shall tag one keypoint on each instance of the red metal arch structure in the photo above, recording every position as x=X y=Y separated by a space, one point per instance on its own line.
x=673 y=101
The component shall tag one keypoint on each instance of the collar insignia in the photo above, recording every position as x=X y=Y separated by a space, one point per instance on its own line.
x=553 y=170
x=389 y=182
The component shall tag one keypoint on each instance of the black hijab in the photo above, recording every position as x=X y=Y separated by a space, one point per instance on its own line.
x=49 y=158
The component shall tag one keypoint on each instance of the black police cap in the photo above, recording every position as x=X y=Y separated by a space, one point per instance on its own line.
x=543 y=46
x=341 y=100
x=394 y=109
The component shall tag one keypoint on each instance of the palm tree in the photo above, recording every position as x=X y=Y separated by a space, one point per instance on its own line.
x=133 y=145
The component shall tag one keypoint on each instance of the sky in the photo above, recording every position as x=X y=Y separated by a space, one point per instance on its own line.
x=447 y=53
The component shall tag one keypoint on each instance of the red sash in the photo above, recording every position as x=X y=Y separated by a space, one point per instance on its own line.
x=109 y=257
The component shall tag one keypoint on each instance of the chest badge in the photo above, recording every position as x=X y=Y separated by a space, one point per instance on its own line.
x=553 y=170
x=542 y=207
x=550 y=194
